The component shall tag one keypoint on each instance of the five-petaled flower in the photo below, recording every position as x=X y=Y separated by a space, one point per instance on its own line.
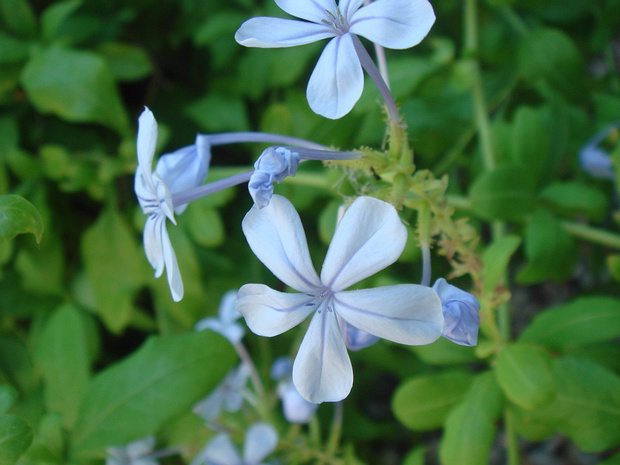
x=369 y=237
x=175 y=172
x=337 y=81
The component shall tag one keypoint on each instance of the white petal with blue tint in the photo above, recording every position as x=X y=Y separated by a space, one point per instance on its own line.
x=404 y=313
x=146 y=144
x=460 y=310
x=220 y=450
x=369 y=237
x=396 y=24
x=322 y=370
x=172 y=267
x=348 y=7
x=268 y=312
x=309 y=10
x=260 y=441
x=337 y=81
x=277 y=238
x=266 y=32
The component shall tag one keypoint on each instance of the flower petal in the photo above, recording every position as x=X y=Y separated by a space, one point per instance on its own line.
x=146 y=144
x=337 y=81
x=348 y=7
x=404 y=313
x=172 y=267
x=369 y=237
x=260 y=441
x=314 y=11
x=268 y=312
x=460 y=311
x=296 y=409
x=322 y=370
x=219 y=450
x=354 y=338
x=397 y=24
x=266 y=32
x=152 y=242
x=277 y=238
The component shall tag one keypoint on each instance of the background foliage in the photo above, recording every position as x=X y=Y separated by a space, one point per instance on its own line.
x=93 y=352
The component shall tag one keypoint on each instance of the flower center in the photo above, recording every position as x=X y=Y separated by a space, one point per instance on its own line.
x=336 y=21
x=323 y=301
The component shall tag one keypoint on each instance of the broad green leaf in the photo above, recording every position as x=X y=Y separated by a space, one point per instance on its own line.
x=415 y=456
x=470 y=428
x=550 y=57
x=506 y=193
x=114 y=267
x=127 y=62
x=523 y=373
x=496 y=258
x=205 y=225
x=215 y=113
x=587 y=407
x=551 y=252
x=42 y=268
x=615 y=460
x=19 y=17
x=64 y=361
x=422 y=403
x=49 y=445
x=8 y=396
x=75 y=85
x=530 y=141
x=54 y=15
x=444 y=352
x=12 y=50
x=576 y=198
x=584 y=321
x=15 y=438
x=19 y=216
x=137 y=396
x=613 y=264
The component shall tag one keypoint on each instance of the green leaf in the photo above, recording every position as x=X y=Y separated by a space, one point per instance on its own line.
x=530 y=141
x=506 y=193
x=523 y=373
x=137 y=396
x=18 y=216
x=114 y=267
x=15 y=438
x=613 y=264
x=205 y=225
x=470 y=428
x=496 y=258
x=551 y=58
x=415 y=456
x=19 y=17
x=584 y=321
x=444 y=352
x=615 y=460
x=127 y=62
x=75 y=85
x=576 y=198
x=64 y=360
x=54 y=15
x=422 y=403
x=42 y=268
x=551 y=252
x=12 y=50
x=8 y=396
x=215 y=113
x=587 y=408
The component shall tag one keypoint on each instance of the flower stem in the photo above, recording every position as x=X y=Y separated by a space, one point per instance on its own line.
x=245 y=358
x=336 y=430
x=226 y=138
x=190 y=195
x=375 y=75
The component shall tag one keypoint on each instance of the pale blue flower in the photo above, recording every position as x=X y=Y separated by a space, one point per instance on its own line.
x=594 y=159
x=337 y=81
x=135 y=453
x=274 y=164
x=460 y=311
x=183 y=169
x=227 y=396
x=226 y=321
x=296 y=409
x=369 y=237
x=261 y=440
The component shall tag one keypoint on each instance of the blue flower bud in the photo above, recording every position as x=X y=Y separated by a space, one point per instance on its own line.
x=273 y=165
x=460 y=311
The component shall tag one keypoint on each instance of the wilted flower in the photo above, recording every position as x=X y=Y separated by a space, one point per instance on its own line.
x=460 y=312
x=273 y=165
x=369 y=238
x=337 y=81
x=261 y=440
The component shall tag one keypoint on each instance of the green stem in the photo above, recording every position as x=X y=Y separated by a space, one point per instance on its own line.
x=590 y=234
x=511 y=438
x=336 y=430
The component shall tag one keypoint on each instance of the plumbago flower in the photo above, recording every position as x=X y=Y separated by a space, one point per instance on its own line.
x=181 y=170
x=337 y=81
x=227 y=396
x=369 y=237
x=138 y=452
x=460 y=311
x=226 y=321
x=260 y=441
x=296 y=409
